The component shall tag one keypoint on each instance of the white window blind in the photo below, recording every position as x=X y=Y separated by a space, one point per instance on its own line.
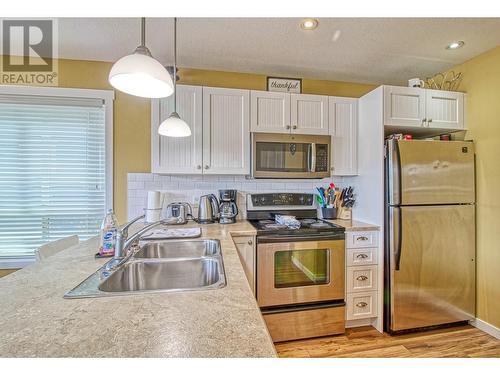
x=52 y=170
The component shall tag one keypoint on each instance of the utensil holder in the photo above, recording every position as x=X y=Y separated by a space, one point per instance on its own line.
x=329 y=213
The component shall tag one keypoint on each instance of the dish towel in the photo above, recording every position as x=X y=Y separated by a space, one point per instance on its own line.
x=171 y=233
x=290 y=221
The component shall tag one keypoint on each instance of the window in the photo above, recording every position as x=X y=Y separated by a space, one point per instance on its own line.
x=55 y=166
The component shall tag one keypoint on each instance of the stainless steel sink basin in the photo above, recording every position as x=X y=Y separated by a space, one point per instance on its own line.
x=183 y=274
x=179 y=249
x=169 y=266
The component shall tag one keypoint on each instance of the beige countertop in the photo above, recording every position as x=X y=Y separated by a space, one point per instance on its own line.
x=354 y=225
x=35 y=320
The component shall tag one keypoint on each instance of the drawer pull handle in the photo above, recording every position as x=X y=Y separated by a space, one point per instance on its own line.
x=362 y=278
x=362 y=256
x=362 y=238
x=361 y=304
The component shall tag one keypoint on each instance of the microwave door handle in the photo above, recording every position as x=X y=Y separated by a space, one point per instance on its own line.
x=312 y=157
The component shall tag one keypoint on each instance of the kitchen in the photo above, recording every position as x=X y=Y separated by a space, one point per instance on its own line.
x=273 y=201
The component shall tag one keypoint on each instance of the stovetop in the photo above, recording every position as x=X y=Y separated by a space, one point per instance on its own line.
x=307 y=226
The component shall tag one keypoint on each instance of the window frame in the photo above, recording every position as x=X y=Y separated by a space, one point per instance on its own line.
x=107 y=96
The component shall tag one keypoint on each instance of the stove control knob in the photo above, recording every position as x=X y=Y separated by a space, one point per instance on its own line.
x=262 y=200
x=301 y=199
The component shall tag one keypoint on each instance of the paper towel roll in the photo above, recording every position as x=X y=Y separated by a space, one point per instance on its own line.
x=154 y=200
x=152 y=215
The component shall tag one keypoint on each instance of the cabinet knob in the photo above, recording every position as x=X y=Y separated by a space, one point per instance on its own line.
x=429 y=121
x=288 y=126
x=198 y=167
x=424 y=120
x=206 y=167
x=361 y=304
x=362 y=278
x=250 y=242
x=294 y=127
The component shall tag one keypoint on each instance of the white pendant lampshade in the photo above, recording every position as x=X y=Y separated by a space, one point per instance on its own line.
x=140 y=74
x=174 y=126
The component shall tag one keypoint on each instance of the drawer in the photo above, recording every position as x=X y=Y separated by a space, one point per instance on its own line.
x=361 y=239
x=361 y=257
x=361 y=305
x=361 y=279
x=301 y=324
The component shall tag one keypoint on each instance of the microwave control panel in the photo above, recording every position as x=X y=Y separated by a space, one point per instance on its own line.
x=321 y=158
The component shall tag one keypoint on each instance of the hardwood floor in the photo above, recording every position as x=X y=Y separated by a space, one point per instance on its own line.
x=366 y=342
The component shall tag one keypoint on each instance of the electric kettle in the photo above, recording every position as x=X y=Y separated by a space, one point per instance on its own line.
x=208 y=209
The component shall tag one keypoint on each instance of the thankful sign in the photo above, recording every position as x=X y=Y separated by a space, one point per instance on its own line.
x=284 y=85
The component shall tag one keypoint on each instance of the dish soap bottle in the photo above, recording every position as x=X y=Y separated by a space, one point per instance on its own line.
x=109 y=228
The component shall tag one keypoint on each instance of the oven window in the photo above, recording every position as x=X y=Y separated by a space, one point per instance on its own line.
x=282 y=157
x=295 y=268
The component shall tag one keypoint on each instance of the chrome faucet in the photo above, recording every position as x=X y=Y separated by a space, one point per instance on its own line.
x=122 y=235
x=125 y=245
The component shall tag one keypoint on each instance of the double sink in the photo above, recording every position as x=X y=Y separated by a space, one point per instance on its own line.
x=169 y=266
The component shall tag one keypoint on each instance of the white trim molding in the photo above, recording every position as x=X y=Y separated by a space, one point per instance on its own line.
x=490 y=329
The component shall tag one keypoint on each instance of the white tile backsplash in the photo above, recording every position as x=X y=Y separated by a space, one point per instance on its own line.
x=188 y=188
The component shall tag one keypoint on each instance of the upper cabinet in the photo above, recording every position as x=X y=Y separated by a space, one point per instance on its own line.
x=276 y=112
x=178 y=155
x=423 y=108
x=343 y=115
x=445 y=109
x=226 y=131
x=309 y=114
x=404 y=106
x=270 y=112
x=220 y=132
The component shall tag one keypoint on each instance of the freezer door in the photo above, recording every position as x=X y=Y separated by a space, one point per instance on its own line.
x=432 y=265
x=430 y=172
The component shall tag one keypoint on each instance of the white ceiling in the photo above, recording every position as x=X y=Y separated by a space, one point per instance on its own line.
x=371 y=50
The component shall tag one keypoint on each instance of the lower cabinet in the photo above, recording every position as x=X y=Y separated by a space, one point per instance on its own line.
x=245 y=245
x=362 y=277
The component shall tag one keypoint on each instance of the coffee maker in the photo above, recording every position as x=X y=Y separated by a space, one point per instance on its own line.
x=227 y=209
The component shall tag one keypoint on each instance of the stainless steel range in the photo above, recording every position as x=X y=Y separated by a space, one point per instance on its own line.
x=300 y=271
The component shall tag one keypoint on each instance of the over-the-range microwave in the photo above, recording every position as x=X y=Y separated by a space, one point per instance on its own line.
x=290 y=156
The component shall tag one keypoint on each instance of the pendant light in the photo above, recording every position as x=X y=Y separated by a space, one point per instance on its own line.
x=140 y=74
x=174 y=126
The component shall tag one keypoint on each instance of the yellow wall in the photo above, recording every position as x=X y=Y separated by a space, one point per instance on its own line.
x=132 y=143
x=481 y=82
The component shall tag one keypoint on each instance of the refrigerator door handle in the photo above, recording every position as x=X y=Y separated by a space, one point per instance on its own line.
x=397 y=236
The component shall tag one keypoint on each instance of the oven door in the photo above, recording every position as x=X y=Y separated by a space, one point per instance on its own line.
x=300 y=272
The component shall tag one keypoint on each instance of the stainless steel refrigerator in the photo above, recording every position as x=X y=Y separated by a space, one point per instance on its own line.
x=430 y=234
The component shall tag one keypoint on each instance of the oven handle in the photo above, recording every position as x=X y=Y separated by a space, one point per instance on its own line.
x=277 y=239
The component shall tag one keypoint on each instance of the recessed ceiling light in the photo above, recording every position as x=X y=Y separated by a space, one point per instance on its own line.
x=309 y=24
x=455 y=45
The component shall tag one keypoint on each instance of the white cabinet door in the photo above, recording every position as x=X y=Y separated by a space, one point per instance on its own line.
x=269 y=112
x=245 y=245
x=309 y=114
x=343 y=118
x=226 y=131
x=178 y=155
x=404 y=106
x=445 y=109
